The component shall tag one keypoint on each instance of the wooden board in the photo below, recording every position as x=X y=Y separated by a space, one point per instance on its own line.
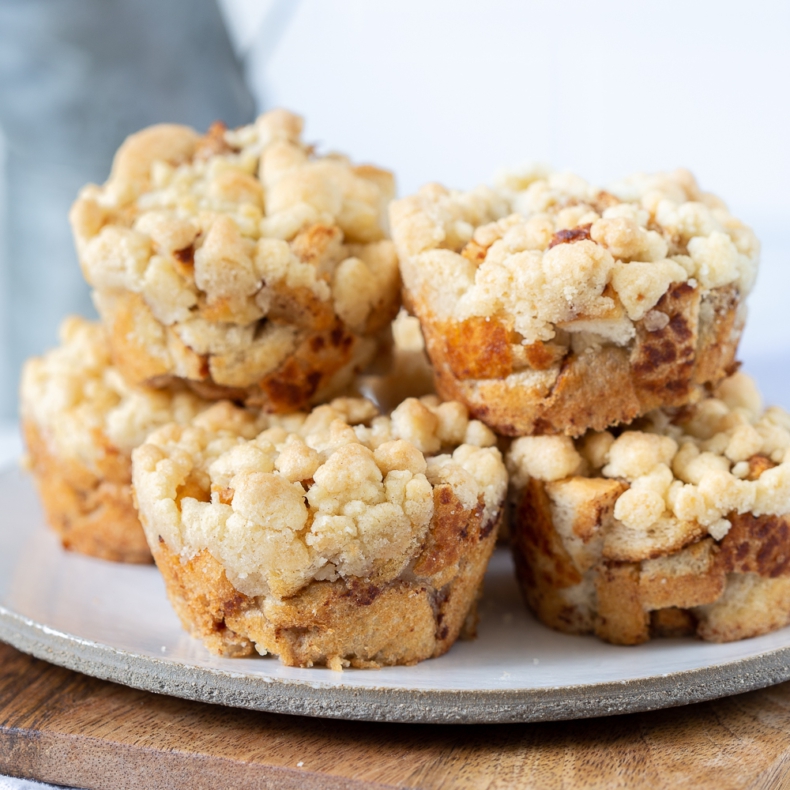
x=60 y=726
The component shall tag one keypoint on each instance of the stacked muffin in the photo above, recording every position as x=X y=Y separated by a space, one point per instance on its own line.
x=242 y=280
x=650 y=494
x=551 y=306
x=239 y=263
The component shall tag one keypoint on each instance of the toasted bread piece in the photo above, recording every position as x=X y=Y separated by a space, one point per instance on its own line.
x=680 y=527
x=240 y=262
x=543 y=565
x=751 y=605
x=551 y=306
x=689 y=577
x=339 y=538
x=621 y=617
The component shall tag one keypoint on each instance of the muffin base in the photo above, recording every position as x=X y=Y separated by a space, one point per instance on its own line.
x=346 y=622
x=322 y=362
x=722 y=591
x=593 y=389
x=91 y=515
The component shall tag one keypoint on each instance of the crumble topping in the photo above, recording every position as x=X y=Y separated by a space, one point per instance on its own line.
x=238 y=233
x=81 y=403
x=547 y=253
x=690 y=466
x=340 y=492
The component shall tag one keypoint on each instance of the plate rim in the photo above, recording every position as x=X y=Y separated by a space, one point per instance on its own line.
x=386 y=704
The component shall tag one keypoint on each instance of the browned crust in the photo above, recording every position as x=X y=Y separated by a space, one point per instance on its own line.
x=301 y=307
x=664 y=362
x=659 y=540
x=346 y=622
x=92 y=514
x=593 y=390
x=543 y=566
x=313 y=243
x=203 y=597
x=307 y=374
x=478 y=349
x=543 y=356
x=621 y=620
x=757 y=544
x=569 y=235
x=700 y=588
x=307 y=371
x=474 y=252
x=757 y=465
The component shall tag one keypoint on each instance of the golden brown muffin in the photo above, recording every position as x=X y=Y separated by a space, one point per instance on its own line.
x=239 y=262
x=679 y=524
x=81 y=421
x=552 y=306
x=340 y=537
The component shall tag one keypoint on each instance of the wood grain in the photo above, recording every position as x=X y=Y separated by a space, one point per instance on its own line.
x=60 y=726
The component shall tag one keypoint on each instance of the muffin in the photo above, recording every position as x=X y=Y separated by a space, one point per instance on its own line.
x=339 y=537
x=239 y=262
x=678 y=524
x=81 y=422
x=552 y=306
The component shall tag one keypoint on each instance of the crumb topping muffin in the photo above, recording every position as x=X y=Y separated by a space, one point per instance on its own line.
x=527 y=290
x=686 y=510
x=81 y=422
x=342 y=503
x=239 y=261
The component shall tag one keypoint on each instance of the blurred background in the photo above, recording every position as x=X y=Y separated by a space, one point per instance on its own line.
x=441 y=90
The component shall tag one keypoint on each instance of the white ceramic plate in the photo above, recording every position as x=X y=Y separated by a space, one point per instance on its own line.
x=114 y=622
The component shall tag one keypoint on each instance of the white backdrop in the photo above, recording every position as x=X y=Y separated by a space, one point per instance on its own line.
x=450 y=90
